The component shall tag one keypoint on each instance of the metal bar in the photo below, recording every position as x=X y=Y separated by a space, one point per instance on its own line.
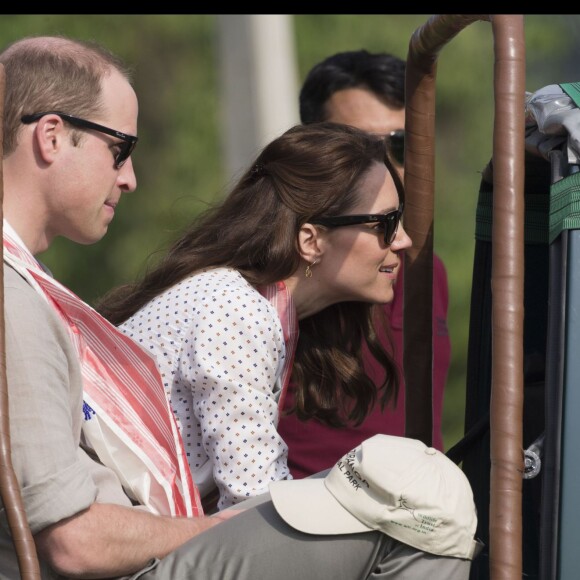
x=506 y=412
x=424 y=47
x=507 y=286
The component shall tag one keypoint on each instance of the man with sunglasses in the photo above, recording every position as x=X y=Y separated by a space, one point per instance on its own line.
x=102 y=474
x=366 y=90
x=124 y=147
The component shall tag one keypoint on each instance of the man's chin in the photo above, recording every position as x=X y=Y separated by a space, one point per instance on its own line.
x=88 y=239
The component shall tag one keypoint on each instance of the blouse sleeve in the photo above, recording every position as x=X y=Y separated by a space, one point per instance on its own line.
x=232 y=359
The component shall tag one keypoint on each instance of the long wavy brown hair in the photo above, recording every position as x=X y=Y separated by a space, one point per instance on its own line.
x=310 y=171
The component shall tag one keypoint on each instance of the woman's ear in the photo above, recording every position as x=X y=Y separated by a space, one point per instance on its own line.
x=310 y=243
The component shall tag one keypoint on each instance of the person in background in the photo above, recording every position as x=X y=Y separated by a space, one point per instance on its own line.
x=103 y=481
x=366 y=90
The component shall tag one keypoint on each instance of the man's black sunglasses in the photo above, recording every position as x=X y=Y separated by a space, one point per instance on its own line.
x=396 y=146
x=389 y=222
x=126 y=148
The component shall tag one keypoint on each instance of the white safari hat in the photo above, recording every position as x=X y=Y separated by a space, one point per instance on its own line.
x=395 y=485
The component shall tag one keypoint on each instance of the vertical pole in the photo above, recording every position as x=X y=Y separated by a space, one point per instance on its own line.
x=259 y=87
x=506 y=411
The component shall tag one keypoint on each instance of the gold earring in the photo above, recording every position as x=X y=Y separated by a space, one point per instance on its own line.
x=308 y=271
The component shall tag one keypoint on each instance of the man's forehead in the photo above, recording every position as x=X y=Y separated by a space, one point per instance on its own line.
x=120 y=102
x=362 y=109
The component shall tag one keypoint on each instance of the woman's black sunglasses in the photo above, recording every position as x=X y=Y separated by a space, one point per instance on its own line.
x=126 y=147
x=389 y=222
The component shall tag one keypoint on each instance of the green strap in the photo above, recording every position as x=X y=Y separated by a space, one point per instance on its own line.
x=536 y=203
x=565 y=205
x=535 y=221
x=546 y=217
x=573 y=91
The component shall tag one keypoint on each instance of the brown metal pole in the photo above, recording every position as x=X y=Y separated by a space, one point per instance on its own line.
x=507 y=265
x=9 y=487
x=424 y=49
x=507 y=287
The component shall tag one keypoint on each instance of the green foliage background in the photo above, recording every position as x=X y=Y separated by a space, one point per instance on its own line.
x=179 y=162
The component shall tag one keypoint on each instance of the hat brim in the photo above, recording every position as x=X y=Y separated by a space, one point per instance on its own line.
x=307 y=506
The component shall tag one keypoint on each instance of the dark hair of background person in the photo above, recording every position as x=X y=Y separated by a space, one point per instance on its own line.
x=381 y=73
x=310 y=171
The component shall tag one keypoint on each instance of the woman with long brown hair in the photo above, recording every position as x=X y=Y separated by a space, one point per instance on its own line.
x=276 y=281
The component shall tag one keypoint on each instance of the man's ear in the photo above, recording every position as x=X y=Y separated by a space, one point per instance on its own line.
x=48 y=137
x=310 y=243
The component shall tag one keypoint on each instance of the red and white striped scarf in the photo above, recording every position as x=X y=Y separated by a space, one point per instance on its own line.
x=128 y=420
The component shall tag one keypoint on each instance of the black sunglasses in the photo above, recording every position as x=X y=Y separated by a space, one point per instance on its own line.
x=126 y=148
x=396 y=145
x=389 y=222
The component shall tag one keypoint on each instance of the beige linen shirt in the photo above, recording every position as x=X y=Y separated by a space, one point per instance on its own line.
x=57 y=478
